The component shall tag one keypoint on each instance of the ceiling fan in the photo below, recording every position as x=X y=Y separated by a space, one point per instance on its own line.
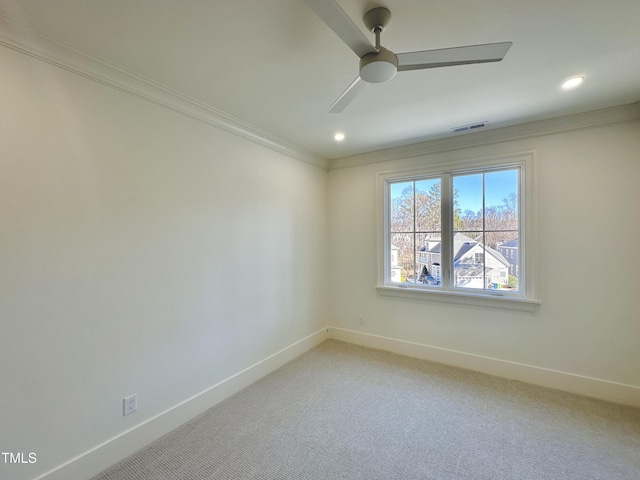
x=377 y=64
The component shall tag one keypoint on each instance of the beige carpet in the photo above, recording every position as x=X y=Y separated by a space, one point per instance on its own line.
x=346 y=412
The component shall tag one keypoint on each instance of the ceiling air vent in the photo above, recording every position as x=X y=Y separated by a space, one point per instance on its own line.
x=466 y=128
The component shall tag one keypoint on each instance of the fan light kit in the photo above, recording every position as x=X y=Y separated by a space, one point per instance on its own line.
x=378 y=64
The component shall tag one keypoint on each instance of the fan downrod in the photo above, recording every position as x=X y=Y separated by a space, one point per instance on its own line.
x=381 y=65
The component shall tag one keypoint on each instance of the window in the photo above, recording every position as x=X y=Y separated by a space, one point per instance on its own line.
x=459 y=229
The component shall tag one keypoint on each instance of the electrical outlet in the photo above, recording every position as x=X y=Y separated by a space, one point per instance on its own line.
x=129 y=404
x=361 y=319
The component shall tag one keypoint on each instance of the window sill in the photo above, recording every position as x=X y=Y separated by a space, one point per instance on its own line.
x=460 y=298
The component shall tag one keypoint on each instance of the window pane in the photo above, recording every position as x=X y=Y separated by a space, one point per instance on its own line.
x=401 y=215
x=469 y=254
x=467 y=206
x=501 y=200
x=402 y=249
x=428 y=258
x=478 y=265
x=428 y=205
x=509 y=249
x=501 y=217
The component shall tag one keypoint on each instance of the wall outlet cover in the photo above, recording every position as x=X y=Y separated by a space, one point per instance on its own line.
x=129 y=404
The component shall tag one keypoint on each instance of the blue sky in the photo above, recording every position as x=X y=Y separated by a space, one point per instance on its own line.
x=498 y=185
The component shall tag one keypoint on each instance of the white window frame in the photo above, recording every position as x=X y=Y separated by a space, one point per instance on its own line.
x=525 y=299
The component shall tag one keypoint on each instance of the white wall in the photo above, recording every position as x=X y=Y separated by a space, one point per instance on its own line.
x=140 y=252
x=588 y=235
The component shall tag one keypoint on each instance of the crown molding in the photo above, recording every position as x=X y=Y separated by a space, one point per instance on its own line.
x=568 y=123
x=21 y=39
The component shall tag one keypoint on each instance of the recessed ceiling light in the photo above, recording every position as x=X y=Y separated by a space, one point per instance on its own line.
x=572 y=82
x=339 y=136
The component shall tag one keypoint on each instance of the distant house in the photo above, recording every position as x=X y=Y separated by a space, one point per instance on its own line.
x=510 y=251
x=475 y=265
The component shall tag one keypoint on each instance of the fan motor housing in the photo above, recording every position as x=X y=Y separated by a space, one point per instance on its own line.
x=377 y=67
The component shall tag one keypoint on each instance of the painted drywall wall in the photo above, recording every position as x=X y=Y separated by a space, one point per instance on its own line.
x=588 y=231
x=140 y=252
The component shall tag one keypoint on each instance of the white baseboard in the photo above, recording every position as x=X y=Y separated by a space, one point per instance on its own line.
x=115 y=449
x=569 y=382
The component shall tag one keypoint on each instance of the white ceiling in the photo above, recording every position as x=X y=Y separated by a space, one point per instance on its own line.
x=275 y=65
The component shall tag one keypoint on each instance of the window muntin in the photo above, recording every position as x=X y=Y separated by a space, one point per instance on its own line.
x=478 y=213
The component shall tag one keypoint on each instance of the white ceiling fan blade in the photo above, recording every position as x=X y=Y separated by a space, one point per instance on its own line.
x=337 y=20
x=349 y=94
x=446 y=57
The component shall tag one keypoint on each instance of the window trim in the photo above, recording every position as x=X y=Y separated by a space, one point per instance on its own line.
x=524 y=300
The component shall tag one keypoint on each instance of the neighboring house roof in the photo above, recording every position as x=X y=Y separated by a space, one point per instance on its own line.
x=460 y=249
x=511 y=244
x=501 y=258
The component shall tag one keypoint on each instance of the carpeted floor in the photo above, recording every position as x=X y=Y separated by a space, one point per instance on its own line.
x=346 y=412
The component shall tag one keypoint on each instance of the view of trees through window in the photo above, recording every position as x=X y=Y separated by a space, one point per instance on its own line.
x=484 y=236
